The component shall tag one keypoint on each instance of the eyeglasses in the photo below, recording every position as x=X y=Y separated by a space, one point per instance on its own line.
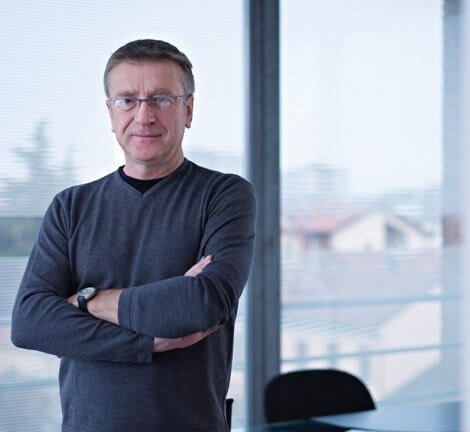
x=159 y=102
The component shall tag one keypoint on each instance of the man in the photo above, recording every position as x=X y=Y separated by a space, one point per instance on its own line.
x=163 y=248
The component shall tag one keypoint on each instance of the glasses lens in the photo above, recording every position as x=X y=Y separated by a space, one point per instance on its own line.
x=161 y=102
x=124 y=104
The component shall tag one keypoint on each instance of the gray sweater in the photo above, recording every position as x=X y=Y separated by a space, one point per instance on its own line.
x=107 y=234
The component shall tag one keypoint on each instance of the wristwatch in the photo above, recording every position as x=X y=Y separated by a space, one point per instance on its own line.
x=84 y=295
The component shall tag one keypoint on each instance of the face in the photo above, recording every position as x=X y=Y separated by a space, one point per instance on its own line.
x=149 y=136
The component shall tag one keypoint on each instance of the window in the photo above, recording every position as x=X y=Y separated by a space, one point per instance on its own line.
x=56 y=133
x=367 y=281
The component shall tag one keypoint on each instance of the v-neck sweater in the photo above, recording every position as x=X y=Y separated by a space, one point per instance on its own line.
x=141 y=185
x=107 y=234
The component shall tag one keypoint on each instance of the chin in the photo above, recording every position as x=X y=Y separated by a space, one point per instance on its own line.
x=147 y=156
x=148 y=160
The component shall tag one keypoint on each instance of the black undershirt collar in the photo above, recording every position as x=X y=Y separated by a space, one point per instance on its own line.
x=141 y=185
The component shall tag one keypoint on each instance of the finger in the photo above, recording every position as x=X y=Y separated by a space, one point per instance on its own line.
x=196 y=337
x=193 y=270
x=199 y=266
x=205 y=261
x=189 y=340
x=211 y=330
x=162 y=344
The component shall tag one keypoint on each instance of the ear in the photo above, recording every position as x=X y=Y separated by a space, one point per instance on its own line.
x=189 y=111
x=110 y=112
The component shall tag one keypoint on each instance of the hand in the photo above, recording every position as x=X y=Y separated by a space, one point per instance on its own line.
x=199 y=266
x=104 y=305
x=73 y=300
x=193 y=271
x=162 y=344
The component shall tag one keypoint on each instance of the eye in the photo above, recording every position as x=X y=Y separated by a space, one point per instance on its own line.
x=162 y=102
x=124 y=103
x=127 y=101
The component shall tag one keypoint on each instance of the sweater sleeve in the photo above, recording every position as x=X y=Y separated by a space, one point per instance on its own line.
x=43 y=320
x=183 y=305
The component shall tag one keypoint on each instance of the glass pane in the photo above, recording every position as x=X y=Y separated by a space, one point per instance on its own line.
x=56 y=133
x=367 y=285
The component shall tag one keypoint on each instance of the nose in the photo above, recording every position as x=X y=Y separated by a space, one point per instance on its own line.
x=144 y=114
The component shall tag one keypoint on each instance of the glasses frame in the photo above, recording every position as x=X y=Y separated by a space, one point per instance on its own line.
x=149 y=100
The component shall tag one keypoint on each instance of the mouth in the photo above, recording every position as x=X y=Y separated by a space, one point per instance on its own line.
x=145 y=139
x=147 y=135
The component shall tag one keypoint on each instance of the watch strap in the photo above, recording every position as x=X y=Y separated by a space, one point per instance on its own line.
x=82 y=303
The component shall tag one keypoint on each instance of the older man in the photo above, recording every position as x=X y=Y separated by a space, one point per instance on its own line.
x=135 y=278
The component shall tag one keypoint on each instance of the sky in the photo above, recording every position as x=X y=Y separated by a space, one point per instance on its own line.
x=361 y=82
x=362 y=90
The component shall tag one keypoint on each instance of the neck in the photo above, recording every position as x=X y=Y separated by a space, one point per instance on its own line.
x=149 y=172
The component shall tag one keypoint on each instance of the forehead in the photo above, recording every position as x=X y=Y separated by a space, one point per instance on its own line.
x=145 y=78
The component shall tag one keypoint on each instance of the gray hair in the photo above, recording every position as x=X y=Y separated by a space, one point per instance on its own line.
x=150 y=50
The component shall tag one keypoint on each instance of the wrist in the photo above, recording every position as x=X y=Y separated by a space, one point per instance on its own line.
x=104 y=305
x=92 y=304
x=84 y=296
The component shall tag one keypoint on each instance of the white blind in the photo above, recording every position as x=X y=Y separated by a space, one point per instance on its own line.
x=369 y=279
x=56 y=133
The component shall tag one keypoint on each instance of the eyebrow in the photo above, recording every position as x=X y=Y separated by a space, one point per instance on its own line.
x=130 y=93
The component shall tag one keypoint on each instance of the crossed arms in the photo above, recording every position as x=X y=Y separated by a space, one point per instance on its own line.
x=150 y=316
x=104 y=305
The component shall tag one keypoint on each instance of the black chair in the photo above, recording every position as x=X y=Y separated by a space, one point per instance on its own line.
x=228 y=411
x=310 y=393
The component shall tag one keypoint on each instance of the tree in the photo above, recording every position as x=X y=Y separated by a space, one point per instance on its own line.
x=31 y=196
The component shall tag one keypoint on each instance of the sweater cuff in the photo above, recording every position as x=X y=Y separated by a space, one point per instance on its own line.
x=145 y=349
x=124 y=309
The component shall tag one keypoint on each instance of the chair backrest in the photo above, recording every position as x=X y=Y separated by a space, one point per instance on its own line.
x=304 y=394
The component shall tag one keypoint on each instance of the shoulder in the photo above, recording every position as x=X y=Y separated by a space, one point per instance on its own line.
x=84 y=189
x=78 y=196
x=223 y=191
x=217 y=183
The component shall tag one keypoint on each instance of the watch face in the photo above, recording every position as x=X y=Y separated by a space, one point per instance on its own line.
x=87 y=292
